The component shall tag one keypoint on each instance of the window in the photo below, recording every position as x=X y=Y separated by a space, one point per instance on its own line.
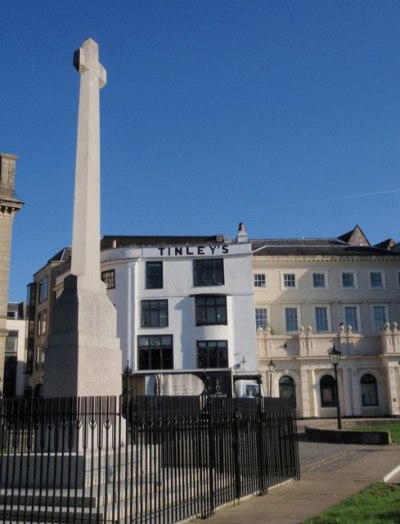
x=212 y=354
x=43 y=289
x=154 y=313
x=261 y=318
x=348 y=280
x=376 y=280
x=259 y=280
x=41 y=327
x=155 y=352
x=291 y=319
x=327 y=390
x=289 y=280
x=351 y=317
x=208 y=272
x=379 y=317
x=318 y=280
x=321 y=319
x=12 y=342
x=108 y=277
x=44 y=322
x=210 y=309
x=287 y=387
x=10 y=373
x=38 y=357
x=369 y=391
x=154 y=275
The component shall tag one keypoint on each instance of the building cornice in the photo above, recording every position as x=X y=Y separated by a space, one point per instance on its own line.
x=337 y=259
x=10 y=207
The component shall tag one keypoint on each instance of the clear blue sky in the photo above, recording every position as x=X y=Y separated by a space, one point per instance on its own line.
x=284 y=115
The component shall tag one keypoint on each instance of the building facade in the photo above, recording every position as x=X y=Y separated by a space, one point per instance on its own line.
x=183 y=303
x=315 y=294
x=41 y=296
x=186 y=303
x=190 y=303
x=9 y=206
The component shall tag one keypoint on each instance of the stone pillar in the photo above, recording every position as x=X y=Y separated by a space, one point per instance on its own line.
x=9 y=206
x=393 y=382
x=345 y=391
x=83 y=357
x=355 y=392
x=306 y=401
x=315 y=406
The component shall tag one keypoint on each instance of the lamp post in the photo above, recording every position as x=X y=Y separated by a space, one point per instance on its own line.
x=271 y=369
x=126 y=404
x=335 y=355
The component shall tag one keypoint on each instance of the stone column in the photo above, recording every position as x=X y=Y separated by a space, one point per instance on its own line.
x=355 y=391
x=85 y=259
x=9 y=206
x=84 y=357
x=393 y=383
x=306 y=401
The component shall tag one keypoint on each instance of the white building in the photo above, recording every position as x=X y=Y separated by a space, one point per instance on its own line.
x=183 y=303
x=190 y=303
x=312 y=294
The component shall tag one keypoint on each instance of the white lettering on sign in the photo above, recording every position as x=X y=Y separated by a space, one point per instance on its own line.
x=193 y=250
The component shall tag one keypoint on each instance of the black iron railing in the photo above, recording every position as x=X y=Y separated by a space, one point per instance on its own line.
x=139 y=459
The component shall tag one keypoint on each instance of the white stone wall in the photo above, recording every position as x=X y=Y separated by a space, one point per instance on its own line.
x=304 y=355
x=130 y=270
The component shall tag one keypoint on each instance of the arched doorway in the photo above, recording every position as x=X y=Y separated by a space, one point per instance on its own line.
x=328 y=391
x=287 y=388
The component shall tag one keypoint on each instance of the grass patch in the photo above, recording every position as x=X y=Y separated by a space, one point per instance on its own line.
x=376 y=504
x=393 y=428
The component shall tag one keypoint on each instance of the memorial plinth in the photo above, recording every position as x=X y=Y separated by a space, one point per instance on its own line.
x=84 y=357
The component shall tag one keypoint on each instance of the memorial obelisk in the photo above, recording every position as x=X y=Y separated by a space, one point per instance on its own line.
x=84 y=357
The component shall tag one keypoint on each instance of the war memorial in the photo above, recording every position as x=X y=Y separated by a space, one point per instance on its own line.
x=91 y=450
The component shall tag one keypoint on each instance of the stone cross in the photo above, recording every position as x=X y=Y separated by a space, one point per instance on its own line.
x=83 y=357
x=85 y=263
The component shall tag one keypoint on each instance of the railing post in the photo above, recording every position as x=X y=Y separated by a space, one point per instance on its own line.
x=236 y=450
x=211 y=451
x=294 y=440
x=260 y=451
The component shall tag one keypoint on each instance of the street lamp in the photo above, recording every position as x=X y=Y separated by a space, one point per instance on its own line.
x=271 y=369
x=335 y=355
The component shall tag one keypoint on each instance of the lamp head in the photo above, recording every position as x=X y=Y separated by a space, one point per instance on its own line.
x=335 y=355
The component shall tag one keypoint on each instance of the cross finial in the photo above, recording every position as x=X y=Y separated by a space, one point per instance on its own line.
x=86 y=59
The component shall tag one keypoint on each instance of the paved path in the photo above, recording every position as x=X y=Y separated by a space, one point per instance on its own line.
x=329 y=474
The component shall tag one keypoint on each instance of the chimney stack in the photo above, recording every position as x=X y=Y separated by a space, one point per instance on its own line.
x=7 y=176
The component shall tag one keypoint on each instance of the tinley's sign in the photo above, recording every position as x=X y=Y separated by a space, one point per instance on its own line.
x=194 y=250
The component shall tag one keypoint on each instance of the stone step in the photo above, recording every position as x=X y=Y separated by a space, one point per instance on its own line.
x=155 y=496
x=43 y=517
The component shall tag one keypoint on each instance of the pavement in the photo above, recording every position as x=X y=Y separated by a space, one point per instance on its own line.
x=329 y=474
